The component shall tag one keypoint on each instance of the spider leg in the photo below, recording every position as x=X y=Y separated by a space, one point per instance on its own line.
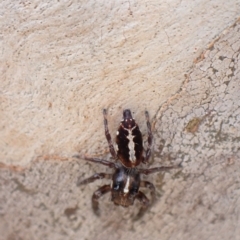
x=157 y=169
x=97 y=160
x=151 y=187
x=150 y=139
x=144 y=202
x=93 y=178
x=96 y=195
x=108 y=136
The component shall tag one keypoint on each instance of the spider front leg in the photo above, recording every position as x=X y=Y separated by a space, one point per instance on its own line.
x=108 y=136
x=144 y=202
x=93 y=178
x=157 y=169
x=150 y=139
x=97 y=160
x=143 y=199
x=151 y=187
x=96 y=195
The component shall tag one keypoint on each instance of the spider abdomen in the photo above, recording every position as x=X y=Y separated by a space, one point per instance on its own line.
x=129 y=142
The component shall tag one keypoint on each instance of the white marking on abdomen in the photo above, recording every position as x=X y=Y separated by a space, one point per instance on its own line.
x=131 y=145
x=126 y=188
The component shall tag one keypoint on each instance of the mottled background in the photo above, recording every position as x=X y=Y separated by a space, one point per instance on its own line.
x=63 y=61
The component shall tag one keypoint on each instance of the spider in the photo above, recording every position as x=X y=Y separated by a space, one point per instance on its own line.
x=126 y=180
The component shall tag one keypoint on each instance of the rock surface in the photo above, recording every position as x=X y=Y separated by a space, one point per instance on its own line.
x=63 y=62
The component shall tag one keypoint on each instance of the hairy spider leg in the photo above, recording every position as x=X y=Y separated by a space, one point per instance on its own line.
x=143 y=199
x=157 y=169
x=150 y=139
x=108 y=136
x=93 y=178
x=97 y=160
x=151 y=187
x=96 y=195
x=144 y=202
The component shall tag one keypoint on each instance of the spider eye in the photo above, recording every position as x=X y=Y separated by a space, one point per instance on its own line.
x=134 y=190
x=116 y=186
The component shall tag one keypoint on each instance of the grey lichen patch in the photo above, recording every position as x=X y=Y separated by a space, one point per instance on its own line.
x=207 y=101
x=209 y=109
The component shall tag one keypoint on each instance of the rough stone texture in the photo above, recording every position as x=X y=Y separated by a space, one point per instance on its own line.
x=58 y=72
x=62 y=62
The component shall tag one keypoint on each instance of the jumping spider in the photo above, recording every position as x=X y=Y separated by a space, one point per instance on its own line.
x=126 y=177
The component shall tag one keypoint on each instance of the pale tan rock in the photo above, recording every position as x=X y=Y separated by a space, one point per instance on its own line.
x=61 y=63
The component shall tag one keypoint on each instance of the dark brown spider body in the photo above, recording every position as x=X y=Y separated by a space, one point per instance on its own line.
x=125 y=186
x=126 y=179
x=129 y=141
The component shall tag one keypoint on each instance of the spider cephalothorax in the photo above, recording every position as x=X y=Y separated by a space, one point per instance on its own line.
x=125 y=180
